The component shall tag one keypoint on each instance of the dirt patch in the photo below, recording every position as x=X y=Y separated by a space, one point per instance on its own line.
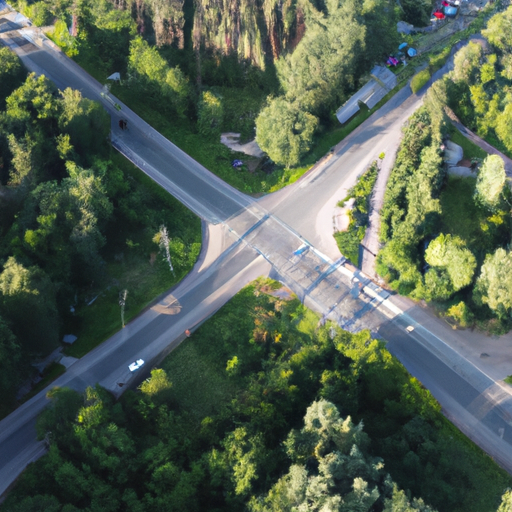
x=465 y=162
x=232 y=141
x=341 y=216
x=253 y=163
x=282 y=293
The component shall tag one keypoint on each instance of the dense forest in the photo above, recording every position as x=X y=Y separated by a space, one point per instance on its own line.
x=261 y=409
x=447 y=239
x=75 y=222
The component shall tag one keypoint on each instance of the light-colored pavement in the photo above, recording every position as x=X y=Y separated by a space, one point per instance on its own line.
x=277 y=234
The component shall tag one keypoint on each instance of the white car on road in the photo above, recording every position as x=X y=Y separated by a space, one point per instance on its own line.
x=136 y=365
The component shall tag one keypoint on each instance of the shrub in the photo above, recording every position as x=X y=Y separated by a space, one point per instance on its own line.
x=461 y=314
x=419 y=80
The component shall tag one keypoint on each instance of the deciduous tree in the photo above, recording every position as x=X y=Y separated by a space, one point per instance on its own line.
x=498 y=30
x=27 y=293
x=450 y=254
x=490 y=182
x=466 y=63
x=285 y=131
x=494 y=284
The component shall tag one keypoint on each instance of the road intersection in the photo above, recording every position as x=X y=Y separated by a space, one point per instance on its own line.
x=286 y=235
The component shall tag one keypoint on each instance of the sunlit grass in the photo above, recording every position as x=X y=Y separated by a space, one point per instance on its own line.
x=470 y=149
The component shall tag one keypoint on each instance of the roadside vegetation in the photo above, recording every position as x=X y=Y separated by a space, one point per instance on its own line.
x=478 y=91
x=193 y=75
x=348 y=241
x=201 y=79
x=76 y=228
x=420 y=79
x=447 y=238
x=260 y=410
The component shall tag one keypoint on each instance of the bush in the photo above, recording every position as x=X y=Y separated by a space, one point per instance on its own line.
x=461 y=314
x=348 y=241
x=39 y=14
x=419 y=80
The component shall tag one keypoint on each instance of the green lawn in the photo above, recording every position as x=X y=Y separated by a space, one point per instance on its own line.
x=200 y=383
x=419 y=80
x=461 y=216
x=471 y=150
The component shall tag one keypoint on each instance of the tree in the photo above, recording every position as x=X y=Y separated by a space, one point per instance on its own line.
x=33 y=100
x=39 y=14
x=238 y=463
x=450 y=254
x=146 y=63
x=506 y=502
x=400 y=503
x=38 y=503
x=490 y=182
x=158 y=383
x=87 y=124
x=461 y=313
x=27 y=293
x=10 y=356
x=11 y=73
x=504 y=126
x=24 y=167
x=337 y=474
x=494 y=284
x=506 y=63
x=59 y=418
x=488 y=71
x=498 y=30
x=466 y=63
x=211 y=113
x=323 y=64
x=479 y=98
x=286 y=144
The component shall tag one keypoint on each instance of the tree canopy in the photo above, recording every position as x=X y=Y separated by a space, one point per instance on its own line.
x=288 y=144
x=490 y=181
x=494 y=284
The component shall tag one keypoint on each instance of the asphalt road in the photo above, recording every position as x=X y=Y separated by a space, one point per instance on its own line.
x=284 y=234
